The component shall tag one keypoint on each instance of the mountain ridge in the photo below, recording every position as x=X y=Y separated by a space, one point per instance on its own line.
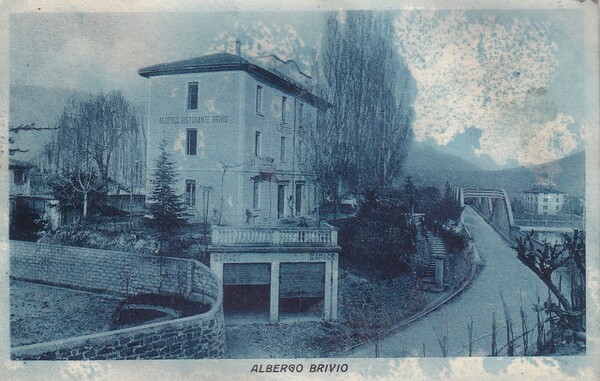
x=428 y=166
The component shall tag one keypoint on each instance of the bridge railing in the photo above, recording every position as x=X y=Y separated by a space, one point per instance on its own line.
x=568 y=223
x=464 y=193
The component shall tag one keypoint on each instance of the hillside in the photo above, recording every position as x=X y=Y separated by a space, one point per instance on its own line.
x=430 y=167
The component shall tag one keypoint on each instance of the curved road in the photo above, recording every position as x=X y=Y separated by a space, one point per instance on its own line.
x=503 y=274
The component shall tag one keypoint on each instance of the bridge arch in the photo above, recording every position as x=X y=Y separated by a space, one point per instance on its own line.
x=494 y=204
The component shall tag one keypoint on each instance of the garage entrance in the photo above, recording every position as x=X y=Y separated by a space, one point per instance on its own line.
x=301 y=290
x=246 y=291
x=261 y=285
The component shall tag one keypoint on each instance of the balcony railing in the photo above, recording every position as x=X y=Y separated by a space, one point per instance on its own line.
x=263 y=164
x=226 y=236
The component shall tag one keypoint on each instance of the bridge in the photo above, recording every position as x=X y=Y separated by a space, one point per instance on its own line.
x=492 y=204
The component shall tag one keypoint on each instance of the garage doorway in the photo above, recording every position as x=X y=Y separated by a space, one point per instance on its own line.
x=301 y=291
x=246 y=292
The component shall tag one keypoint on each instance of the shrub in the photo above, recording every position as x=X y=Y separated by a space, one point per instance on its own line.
x=25 y=224
x=381 y=236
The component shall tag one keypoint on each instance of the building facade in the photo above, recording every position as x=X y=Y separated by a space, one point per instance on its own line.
x=234 y=129
x=23 y=197
x=543 y=200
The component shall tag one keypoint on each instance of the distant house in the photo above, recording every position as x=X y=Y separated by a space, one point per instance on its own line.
x=23 y=195
x=234 y=128
x=544 y=199
x=20 y=180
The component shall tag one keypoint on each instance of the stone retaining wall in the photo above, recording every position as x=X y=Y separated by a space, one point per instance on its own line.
x=125 y=274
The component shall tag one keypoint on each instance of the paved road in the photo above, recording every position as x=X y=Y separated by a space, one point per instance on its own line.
x=503 y=274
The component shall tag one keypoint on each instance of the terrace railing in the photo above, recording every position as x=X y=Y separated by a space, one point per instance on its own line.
x=227 y=236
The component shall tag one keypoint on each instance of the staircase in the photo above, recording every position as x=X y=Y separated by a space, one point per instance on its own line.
x=436 y=247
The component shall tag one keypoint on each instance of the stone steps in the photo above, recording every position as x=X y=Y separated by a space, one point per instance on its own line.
x=436 y=248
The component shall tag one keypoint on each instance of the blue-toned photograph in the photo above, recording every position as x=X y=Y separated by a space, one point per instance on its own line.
x=298 y=185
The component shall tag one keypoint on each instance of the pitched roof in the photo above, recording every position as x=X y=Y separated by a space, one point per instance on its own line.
x=543 y=189
x=14 y=163
x=230 y=62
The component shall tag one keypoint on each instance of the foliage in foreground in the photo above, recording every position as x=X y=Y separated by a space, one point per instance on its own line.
x=568 y=313
x=381 y=236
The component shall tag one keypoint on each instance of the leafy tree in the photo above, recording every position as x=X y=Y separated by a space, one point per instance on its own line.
x=165 y=206
x=448 y=207
x=427 y=200
x=381 y=235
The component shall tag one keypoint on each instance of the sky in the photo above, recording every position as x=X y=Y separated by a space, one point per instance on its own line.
x=497 y=88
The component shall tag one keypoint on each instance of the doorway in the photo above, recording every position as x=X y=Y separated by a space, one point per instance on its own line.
x=246 y=291
x=298 y=199
x=280 y=201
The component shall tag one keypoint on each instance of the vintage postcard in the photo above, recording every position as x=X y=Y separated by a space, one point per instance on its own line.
x=280 y=190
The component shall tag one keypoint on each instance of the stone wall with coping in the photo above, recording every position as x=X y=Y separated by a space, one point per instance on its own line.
x=125 y=274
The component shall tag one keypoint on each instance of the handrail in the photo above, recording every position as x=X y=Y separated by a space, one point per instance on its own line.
x=273 y=236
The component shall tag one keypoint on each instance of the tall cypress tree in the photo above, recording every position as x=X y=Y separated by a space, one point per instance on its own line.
x=362 y=142
x=165 y=206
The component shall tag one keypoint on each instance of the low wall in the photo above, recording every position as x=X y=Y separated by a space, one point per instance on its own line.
x=125 y=274
x=516 y=233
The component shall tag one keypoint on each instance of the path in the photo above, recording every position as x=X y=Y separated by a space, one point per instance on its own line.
x=502 y=274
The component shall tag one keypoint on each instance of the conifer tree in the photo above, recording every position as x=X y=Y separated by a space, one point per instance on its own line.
x=448 y=207
x=165 y=206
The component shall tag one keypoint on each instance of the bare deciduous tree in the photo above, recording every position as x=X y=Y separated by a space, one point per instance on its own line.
x=97 y=140
x=361 y=142
x=544 y=262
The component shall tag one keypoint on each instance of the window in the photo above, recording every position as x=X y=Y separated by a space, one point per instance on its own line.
x=257 y=143
x=191 y=142
x=545 y=207
x=300 y=108
x=557 y=199
x=190 y=192
x=283 y=107
x=300 y=151
x=192 y=96
x=256 y=195
x=259 y=100
x=19 y=176
x=282 y=152
x=545 y=199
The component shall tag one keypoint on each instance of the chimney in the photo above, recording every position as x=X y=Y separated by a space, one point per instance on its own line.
x=238 y=48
